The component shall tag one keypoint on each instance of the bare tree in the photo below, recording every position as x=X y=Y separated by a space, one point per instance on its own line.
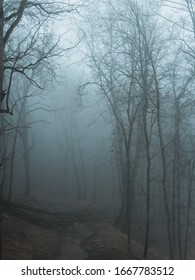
x=23 y=54
x=21 y=50
x=126 y=58
x=114 y=61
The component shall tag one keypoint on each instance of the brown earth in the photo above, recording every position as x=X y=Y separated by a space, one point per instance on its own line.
x=95 y=239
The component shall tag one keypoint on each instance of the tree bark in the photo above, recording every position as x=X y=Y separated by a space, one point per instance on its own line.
x=191 y=167
x=26 y=150
x=164 y=166
x=1 y=92
x=148 y=174
x=1 y=47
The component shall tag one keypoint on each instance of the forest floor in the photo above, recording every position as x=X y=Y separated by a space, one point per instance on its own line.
x=79 y=241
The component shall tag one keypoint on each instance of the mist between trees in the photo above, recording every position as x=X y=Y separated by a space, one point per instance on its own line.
x=103 y=113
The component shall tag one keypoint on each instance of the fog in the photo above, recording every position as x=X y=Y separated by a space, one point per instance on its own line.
x=66 y=125
x=97 y=116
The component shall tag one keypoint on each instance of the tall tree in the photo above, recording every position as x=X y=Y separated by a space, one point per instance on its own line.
x=24 y=30
x=130 y=58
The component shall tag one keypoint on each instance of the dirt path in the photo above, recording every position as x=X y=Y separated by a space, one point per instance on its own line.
x=69 y=242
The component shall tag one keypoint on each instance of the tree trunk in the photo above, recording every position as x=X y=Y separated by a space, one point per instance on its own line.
x=76 y=172
x=1 y=96
x=1 y=50
x=26 y=152
x=95 y=187
x=190 y=183
x=1 y=53
x=164 y=167
x=121 y=220
x=13 y=151
x=82 y=162
x=148 y=174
